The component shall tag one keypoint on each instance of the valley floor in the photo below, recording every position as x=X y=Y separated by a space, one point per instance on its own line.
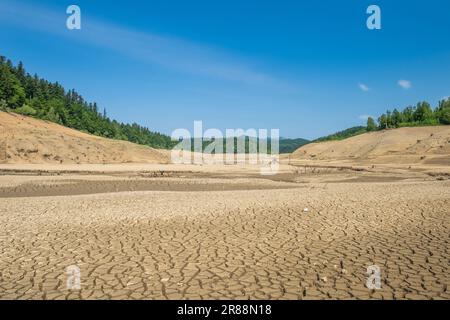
x=229 y=233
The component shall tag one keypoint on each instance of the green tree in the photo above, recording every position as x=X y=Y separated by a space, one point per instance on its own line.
x=26 y=110
x=382 y=122
x=371 y=126
x=408 y=114
x=397 y=118
x=3 y=105
x=389 y=123
x=443 y=112
x=423 y=112
x=10 y=89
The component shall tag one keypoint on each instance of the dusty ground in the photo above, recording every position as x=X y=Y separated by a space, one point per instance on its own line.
x=28 y=140
x=166 y=233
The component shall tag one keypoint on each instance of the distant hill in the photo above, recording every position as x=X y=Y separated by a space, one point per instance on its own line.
x=290 y=145
x=418 y=145
x=285 y=145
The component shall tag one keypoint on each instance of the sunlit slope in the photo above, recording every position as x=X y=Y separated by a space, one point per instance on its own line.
x=422 y=145
x=28 y=140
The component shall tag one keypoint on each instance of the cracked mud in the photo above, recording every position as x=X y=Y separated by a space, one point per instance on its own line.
x=249 y=239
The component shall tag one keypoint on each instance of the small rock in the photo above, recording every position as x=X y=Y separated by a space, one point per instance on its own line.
x=324 y=279
x=164 y=279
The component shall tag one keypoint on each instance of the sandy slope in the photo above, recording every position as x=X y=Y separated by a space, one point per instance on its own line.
x=421 y=145
x=28 y=140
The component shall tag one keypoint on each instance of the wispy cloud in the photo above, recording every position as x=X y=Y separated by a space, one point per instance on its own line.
x=365 y=116
x=169 y=52
x=363 y=87
x=405 y=84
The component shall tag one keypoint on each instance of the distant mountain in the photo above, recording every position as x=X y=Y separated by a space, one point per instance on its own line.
x=290 y=145
x=285 y=145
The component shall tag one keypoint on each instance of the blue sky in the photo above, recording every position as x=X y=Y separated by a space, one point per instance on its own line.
x=308 y=68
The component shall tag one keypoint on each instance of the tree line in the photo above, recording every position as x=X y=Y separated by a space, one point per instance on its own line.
x=412 y=116
x=420 y=115
x=344 y=134
x=32 y=96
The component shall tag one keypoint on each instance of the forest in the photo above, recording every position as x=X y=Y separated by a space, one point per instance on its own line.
x=32 y=96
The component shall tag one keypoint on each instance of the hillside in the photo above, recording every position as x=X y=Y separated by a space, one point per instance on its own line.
x=38 y=98
x=28 y=140
x=421 y=145
x=32 y=96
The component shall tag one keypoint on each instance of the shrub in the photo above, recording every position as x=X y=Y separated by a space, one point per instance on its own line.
x=26 y=110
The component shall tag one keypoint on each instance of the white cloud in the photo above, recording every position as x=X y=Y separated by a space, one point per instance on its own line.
x=405 y=84
x=364 y=116
x=363 y=87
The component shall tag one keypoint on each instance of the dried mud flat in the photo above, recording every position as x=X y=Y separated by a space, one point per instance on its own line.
x=209 y=236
